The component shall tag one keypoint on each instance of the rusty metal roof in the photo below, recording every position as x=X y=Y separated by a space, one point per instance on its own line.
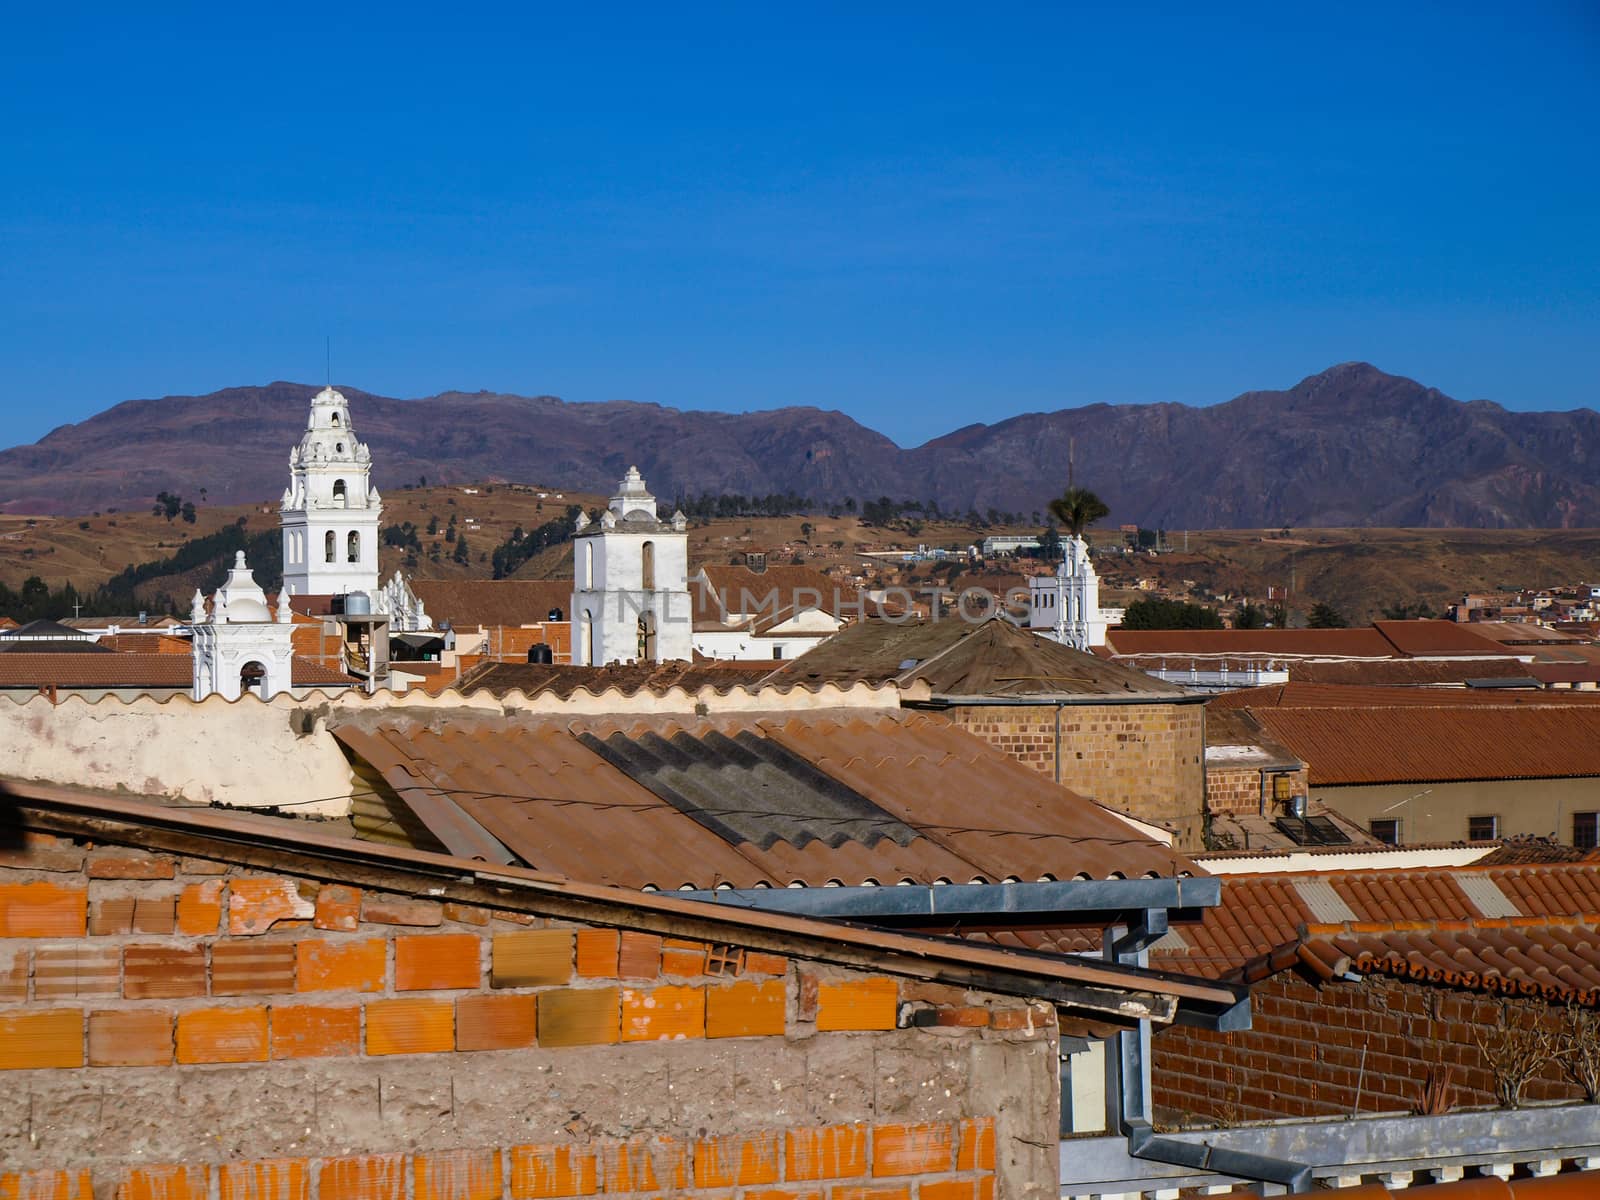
x=850 y=788
x=564 y=679
x=1382 y=639
x=469 y=603
x=1295 y=694
x=123 y=670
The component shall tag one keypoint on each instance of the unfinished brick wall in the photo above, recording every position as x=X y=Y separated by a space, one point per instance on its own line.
x=1303 y=1055
x=1142 y=759
x=179 y=1029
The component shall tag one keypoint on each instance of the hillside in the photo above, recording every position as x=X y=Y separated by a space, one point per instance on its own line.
x=1349 y=447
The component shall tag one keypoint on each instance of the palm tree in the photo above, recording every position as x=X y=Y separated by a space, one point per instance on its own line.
x=1078 y=508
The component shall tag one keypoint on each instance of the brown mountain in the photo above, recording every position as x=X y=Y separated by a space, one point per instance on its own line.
x=1350 y=446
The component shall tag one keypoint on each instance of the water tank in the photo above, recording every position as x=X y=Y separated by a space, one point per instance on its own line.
x=540 y=652
x=358 y=604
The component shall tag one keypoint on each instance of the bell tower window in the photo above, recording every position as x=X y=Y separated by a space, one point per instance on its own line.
x=336 y=420
x=647 y=564
x=339 y=493
x=353 y=546
x=330 y=546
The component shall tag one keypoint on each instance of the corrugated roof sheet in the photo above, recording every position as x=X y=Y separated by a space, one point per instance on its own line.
x=1409 y=672
x=955 y=657
x=1400 y=744
x=1319 y=695
x=563 y=679
x=132 y=671
x=542 y=790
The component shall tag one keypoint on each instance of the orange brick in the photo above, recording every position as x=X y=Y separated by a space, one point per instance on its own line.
x=412 y=1026
x=201 y=866
x=216 y=1035
x=757 y=963
x=364 y=1177
x=1012 y=1018
x=579 y=1017
x=857 y=1004
x=315 y=1031
x=949 y=1189
x=531 y=958
x=51 y=1037
x=683 y=958
x=458 y=1175
x=780 y=1194
x=746 y=1009
x=325 y=965
x=200 y=908
x=736 y=1160
x=165 y=1183
x=129 y=864
x=424 y=962
x=664 y=1014
x=644 y=1166
x=836 y=1152
x=269 y=1179
x=130 y=1037
x=977 y=1145
x=544 y=1172
x=597 y=953
x=639 y=955
x=43 y=910
x=489 y=1022
x=338 y=908
x=962 y=1016
x=255 y=905
x=251 y=966
x=912 y=1149
x=81 y=969
x=466 y=914
x=397 y=910
x=45 y=1185
x=163 y=972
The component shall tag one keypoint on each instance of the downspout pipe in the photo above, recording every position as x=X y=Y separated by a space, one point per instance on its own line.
x=1128 y=1089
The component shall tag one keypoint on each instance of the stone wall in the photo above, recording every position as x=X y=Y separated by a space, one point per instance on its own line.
x=182 y=1029
x=1143 y=759
x=1237 y=789
x=1303 y=1055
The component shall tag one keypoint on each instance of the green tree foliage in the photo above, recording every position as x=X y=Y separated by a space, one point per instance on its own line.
x=188 y=512
x=1325 y=616
x=402 y=537
x=728 y=505
x=167 y=505
x=462 y=554
x=1050 y=544
x=1250 y=616
x=1077 y=508
x=1156 y=613
x=520 y=546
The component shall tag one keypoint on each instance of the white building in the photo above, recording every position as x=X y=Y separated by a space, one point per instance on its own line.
x=330 y=511
x=240 y=646
x=630 y=598
x=1065 y=607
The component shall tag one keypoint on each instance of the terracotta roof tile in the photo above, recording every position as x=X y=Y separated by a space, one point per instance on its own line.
x=155 y=671
x=564 y=679
x=474 y=603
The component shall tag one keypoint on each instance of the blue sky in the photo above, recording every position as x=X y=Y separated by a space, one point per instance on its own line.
x=924 y=215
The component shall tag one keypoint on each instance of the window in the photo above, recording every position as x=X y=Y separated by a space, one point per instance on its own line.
x=1586 y=830
x=353 y=546
x=648 y=566
x=1483 y=829
x=777 y=652
x=336 y=420
x=588 y=566
x=330 y=546
x=338 y=491
x=253 y=678
x=1387 y=832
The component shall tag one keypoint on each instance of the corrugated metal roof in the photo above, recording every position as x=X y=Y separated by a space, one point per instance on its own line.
x=1410 y=744
x=563 y=679
x=469 y=603
x=541 y=788
x=1325 y=903
x=1485 y=896
x=118 y=670
x=1337 y=695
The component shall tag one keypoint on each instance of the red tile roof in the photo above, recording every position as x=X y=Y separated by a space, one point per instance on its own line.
x=152 y=671
x=1382 y=639
x=474 y=603
x=1339 y=695
x=1554 y=958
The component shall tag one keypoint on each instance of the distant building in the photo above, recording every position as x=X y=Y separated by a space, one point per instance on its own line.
x=1065 y=607
x=239 y=645
x=1008 y=544
x=330 y=511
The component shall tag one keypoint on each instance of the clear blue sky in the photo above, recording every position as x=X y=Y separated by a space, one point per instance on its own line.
x=924 y=215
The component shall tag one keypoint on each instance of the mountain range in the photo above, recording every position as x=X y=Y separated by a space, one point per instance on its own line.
x=1351 y=446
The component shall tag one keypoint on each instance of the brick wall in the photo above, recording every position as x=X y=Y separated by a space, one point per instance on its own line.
x=180 y=1029
x=1143 y=759
x=1303 y=1055
x=1237 y=789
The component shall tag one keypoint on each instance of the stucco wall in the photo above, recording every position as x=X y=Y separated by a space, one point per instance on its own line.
x=1438 y=812
x=1143 y=759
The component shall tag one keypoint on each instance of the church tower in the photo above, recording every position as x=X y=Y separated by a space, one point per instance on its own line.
x=630 y=599
x=330 y=510
x=240 y=645
x=1065 y=607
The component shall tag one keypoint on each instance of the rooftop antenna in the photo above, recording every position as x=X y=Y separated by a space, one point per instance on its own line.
x=327 y=350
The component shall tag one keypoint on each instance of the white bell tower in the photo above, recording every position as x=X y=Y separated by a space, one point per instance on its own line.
x=240 y=646
x=630 y=598
x=1065 y=607
x=330 y=510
